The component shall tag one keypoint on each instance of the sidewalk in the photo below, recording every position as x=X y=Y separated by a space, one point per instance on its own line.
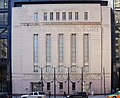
x=94 y=96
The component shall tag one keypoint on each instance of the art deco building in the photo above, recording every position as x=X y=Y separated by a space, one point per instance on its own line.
x=61 y=47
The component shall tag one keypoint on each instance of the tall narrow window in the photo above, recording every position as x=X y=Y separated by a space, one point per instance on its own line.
x=76 y=15
x=73 y=68
x=86 y=51
x=61 y=68
x=57 y=15
x=61 y=48
x=48 y=68
x=86 y=48
x=35 y=48
x=48 y=85
x=3 y=4
x=3 y=18
x=51 y=15
x=36 y=16
x=73 y=48
x=36 y=68
x=73 y=85
x=61 y=85
x=85 y=15
x=63 y=15
x=70 y=15
x=45 y=16
x=48 y=48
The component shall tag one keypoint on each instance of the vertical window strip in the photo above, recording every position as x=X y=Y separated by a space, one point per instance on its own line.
x=63 y=15
x=76 y=15
x=85 y=15
x=48 y=48
x=57 y=15
x=86 y=48
x=45 y=16
x=61 y=48
x=70 y=15
x=35 y=48
x=36 y=16
x=73 y=48
x=51 y=15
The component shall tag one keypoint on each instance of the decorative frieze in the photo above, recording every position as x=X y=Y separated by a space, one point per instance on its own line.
x=64 y=76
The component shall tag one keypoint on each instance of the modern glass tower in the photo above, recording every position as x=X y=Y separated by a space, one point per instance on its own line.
x=5 y=46
x=117 y=43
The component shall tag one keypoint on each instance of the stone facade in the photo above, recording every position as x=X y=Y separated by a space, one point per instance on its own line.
x=97 y=26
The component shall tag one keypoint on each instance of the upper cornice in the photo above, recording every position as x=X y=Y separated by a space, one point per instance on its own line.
x=20 y=3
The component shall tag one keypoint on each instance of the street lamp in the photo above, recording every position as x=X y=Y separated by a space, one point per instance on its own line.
x=42 y=79
x=68 y=80
x=55 y=79
x=54 y=83
x=104 y=80
x=82 y=79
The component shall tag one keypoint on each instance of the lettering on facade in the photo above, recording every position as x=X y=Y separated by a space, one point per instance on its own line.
x=87 y=28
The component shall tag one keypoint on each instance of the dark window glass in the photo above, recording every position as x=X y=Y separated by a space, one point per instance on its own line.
x=61 y=85
x=41 y=93
x=73 y=85
x=31 y=94
x=48 y=86
x=35 y=93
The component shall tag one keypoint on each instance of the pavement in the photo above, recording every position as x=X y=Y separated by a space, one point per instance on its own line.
x=97 y=96
x=92 y=96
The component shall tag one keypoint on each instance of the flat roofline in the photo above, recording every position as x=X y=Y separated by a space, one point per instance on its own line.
x=102 y=3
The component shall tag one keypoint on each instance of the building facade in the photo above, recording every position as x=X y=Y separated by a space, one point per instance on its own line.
x=61 y=48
